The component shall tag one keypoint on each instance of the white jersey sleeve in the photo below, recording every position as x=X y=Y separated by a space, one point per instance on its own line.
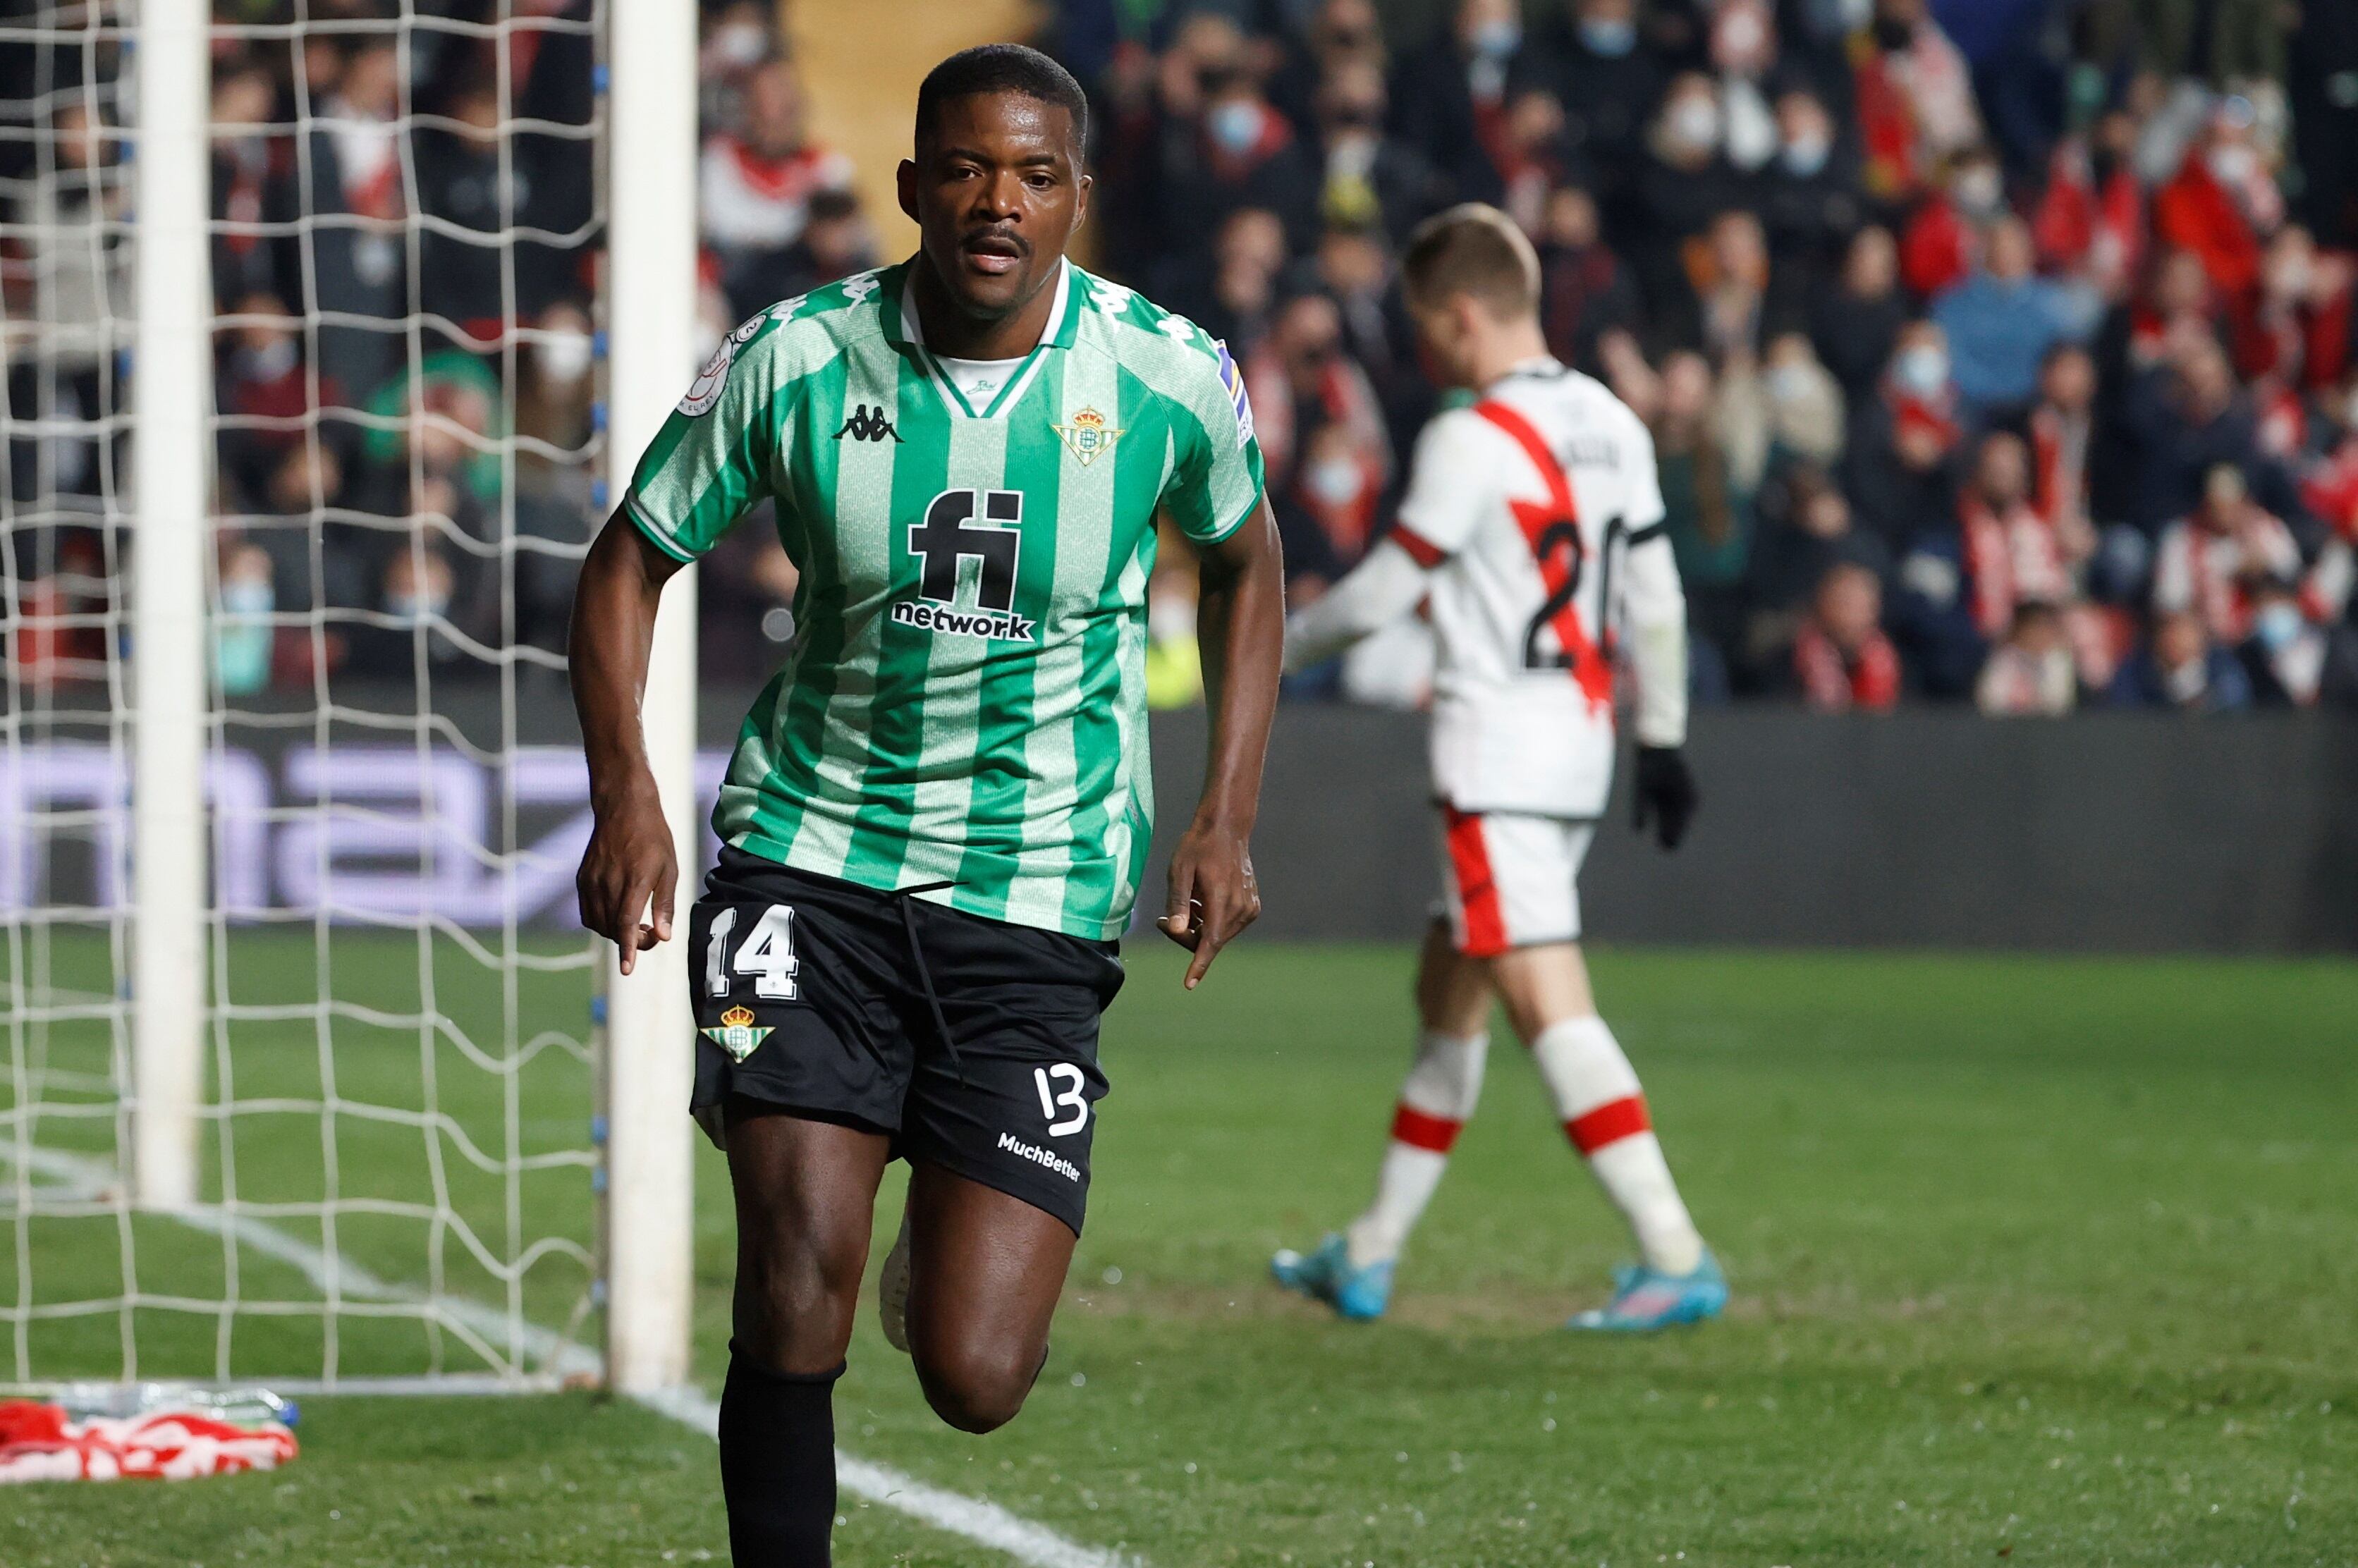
x=1456 y=484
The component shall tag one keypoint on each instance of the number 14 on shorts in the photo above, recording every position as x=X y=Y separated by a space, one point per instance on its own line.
x=767 y=953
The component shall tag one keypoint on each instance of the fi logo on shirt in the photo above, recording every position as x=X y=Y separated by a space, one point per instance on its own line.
x=944 y=541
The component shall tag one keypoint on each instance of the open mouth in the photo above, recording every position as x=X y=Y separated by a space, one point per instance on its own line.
x=992 y=253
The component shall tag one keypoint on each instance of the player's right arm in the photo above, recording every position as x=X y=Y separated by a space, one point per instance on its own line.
x=705 y=469
x=1453 y=483
x=629 y=861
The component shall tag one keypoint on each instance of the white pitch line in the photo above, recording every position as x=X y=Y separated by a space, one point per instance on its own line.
x=981 y=1522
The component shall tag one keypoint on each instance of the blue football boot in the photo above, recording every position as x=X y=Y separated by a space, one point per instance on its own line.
x=1644 y=1300
x=1326 y=1275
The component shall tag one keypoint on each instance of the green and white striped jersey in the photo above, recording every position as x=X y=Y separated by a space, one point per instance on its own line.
x=965 y=700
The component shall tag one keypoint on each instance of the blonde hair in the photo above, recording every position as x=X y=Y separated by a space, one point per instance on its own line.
x=1475 y=250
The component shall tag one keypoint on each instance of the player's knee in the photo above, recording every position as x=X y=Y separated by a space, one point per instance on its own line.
x=1448 y=1078
x=796 y=1297
x=974 y=1384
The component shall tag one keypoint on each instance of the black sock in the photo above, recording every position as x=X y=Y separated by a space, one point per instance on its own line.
x=777 y=1465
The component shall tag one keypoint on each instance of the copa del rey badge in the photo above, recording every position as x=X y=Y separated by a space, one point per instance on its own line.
x=1088 y=437
x=737 y=1033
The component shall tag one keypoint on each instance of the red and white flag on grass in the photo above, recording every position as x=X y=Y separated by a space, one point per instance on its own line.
x=38 y=1443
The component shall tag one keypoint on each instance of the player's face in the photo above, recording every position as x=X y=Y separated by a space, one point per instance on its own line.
x=1442 y=344
x=996 y=193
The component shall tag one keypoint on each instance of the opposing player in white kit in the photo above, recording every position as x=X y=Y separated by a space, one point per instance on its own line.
x=1532 y=527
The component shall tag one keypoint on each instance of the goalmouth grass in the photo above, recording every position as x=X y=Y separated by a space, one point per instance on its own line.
x=2034 y=1261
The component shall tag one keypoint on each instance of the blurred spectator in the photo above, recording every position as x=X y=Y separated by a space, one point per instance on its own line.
x=756 y=183
x=2060 y=423
x=2215 y=560
x=1809 y=195
x=1583 y=289
x=2001 y=321
x=1742 y=47
x=1592 y=58
x=836 y=242
x=243 y=634
x=1341 y=34
x=1235 y=301
x=1681 y=186
x=2296 y=329
x=1964 y=581
x=262 y=390
x=739 y=39
x=1707 y=516
x=2091 y=221
x=1855 y=323
x=2188 y=417
x=1842 y=660
x=1943 y=237
x=2221 y=200
x=1222 y=147
x=357 y=269
x=2031 y=672
x=2182 y=669
x=1370 y=179
x=1730 y=274
x=1915 y=98
x=1801 y=539
x=1449 y=96
x=1300 y=381
x=1898 y=465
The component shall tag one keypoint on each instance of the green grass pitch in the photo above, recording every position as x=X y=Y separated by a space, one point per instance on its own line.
x=2035 y=1261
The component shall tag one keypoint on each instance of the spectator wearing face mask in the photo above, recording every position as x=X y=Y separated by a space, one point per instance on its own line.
x=1897 y=466
x=1370 y=179
x=2029 y=675
x=1236 y=151
x=1593 y=59
x=1326 y=514
x=2221 y=201
x=1802 y=418
x=1942 y=239
x=1449 y=97
x=1585 y=291
x=1915 y=98
x=1340 y=34
x=1300 y=381
x=355 y=168
x=1741 y=42
x=264 y=390
x=2181 y=668
x=2293 y=660
x=2210 y=560
x=411 y=609
x=738 y=41
x=1855 y=322
x=1682 y=185
x=1809 y=192
x=244 y=632
x=2003 y=318
x=1842 y=662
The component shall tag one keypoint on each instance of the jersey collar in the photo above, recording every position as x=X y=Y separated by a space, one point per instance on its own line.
x=901 y=327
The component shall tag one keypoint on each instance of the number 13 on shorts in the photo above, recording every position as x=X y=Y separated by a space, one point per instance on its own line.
x=1052 y=1100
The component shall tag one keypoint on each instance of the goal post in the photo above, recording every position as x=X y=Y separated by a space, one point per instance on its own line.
x=648 y=1062
x=171 y=500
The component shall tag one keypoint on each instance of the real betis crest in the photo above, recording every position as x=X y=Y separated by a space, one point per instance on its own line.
x=1088 y=437
x=737 y=1033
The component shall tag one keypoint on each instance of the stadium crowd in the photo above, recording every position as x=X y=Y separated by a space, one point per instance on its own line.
x=2013 y=364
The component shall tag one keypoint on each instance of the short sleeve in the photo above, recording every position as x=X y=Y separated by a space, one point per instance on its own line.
x=1216 y=479
x=1453 y=482
x=711 y=461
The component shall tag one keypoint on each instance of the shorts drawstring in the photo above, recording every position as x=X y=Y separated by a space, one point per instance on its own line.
x=904 y=898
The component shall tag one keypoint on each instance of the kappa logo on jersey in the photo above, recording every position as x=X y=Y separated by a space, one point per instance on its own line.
x=1233 y=380
x=1089 y=437
x=737 y=1033
x=943 y=543
x=867 y=425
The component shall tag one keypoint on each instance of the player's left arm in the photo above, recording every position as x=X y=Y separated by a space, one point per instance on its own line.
x=1654 y=615
x=1240 y=622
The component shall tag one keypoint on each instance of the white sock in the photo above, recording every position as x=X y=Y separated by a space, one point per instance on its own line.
x=1439 y=1096
x=1604 y=1113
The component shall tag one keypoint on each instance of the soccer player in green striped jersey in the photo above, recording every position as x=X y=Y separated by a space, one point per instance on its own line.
x=936 y=820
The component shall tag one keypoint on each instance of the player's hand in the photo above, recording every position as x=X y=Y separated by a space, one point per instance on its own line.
x=629 y=863
x=1214 y=895
x=1665 y=793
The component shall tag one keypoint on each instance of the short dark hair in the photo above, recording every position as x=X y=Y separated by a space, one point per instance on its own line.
x=1003 y=68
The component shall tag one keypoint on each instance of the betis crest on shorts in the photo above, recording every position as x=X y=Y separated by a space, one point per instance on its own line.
x=737 y=1033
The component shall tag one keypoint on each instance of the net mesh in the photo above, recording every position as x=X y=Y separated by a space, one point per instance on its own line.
x=398 y=1149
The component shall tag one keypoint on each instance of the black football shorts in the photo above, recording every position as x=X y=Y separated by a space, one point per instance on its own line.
x=971 y=1043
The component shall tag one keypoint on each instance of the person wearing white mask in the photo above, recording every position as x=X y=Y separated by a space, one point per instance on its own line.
x=1449 y=93
x=1597 y=63
x=1743 y=52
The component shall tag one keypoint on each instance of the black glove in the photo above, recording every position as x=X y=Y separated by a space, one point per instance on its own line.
x=1666 y=791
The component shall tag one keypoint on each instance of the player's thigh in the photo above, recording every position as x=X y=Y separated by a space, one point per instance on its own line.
x=805 y=1201
x=1511 y=880
x=985 y=1268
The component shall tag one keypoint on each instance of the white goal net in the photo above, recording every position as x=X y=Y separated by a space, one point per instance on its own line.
x=390 y=1147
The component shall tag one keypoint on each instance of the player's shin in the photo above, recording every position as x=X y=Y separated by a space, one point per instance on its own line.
x=1438 y=1096
x=1604 y=1112
x=777 y=1463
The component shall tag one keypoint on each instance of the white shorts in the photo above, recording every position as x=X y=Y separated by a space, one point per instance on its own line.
x=1511 y=880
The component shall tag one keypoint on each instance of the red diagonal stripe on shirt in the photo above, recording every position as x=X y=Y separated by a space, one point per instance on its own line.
x=1588 y=666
